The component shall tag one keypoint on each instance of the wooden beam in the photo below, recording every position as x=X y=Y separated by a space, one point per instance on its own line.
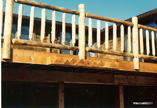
x=53 y=29
x=147 y=28
x=61 y=94
x=47 y=6
x=28 y=75
x=114 y=37
x=31 y=23
x=73 y=30
x=8 y=29
x=43 y=24
x=63 y=28
x=90 y=38
x=98 y=34
x=106 y=36
x=122 y=37
x=121 y=96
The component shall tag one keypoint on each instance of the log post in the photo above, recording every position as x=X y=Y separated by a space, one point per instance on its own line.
x=1 y=20
x=135 y=42
x=61 y=94
x=8 y=29
x=121 y=96
x=82 y=31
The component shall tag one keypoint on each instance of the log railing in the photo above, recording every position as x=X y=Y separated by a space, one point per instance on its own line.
x=134 y=32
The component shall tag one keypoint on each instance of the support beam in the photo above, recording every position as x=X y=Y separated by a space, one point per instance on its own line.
x=121 y=96
x=8 y=29
x=1 y=14
x=61 y=94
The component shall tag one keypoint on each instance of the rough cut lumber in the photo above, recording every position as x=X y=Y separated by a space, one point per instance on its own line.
x=53 y=29
x=135 y=43
x=47 y=6
x=8 y=29
x=122 y=37
x=108 y=19
x=90 y=38
x=40 y=44
x=43 y=24
x=61 y=94
x=26 y=75
x=19 y=25
x=31 y=23
x=1 y=20
x=82 y=31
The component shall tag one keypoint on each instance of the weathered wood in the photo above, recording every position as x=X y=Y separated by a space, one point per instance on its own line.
x=61 y=94
x=106 y=36
x=1 y=19
x=82 y=31
x=73 y=30
x=135 y=43
x=8 y=29
x=19 y=24
x=53 y=29
x=71 y=44
x=90 y=38
x=63 y=28
x=153 y=43
x=141 y=42
x=129 y=39
x=43 y=25
x=41 y=44
x=25 y=75
x=31 y=24
x=121 y=96
x=108 y=52
x=98 y=34
x=47 y=6
x=122 y=37
x=108 y=19
x=147 y=28
x=114 y=37
x=147 y=42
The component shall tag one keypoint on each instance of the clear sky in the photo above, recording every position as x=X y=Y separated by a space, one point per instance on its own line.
x=119 y=9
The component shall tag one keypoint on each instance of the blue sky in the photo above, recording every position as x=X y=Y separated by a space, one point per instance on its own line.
x=119 y=9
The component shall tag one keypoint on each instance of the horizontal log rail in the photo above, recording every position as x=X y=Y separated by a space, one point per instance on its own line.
x=47 y=6
x=41 y=44
x=147 y=28
x=98 y=17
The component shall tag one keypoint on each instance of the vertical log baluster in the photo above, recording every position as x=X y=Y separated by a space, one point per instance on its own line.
x=114 y=37
x=141 y=42
x=98 y=33
x=63 y=28
x=31 y=24
x=129 y=39
x=153 y=43
x=106 y=36
x=53 y=28
x=73 y=30
x=147 y=42
x=19 y=25
x=90 y=38
x=8 y=29
x=135 y=43
x=122 y=37
x=43 y=25
x=2 y=6
x=82 y=31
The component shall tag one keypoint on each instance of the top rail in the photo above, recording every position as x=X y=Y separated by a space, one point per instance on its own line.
x=147 y=28
x=109 y=19
x=42 y=5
